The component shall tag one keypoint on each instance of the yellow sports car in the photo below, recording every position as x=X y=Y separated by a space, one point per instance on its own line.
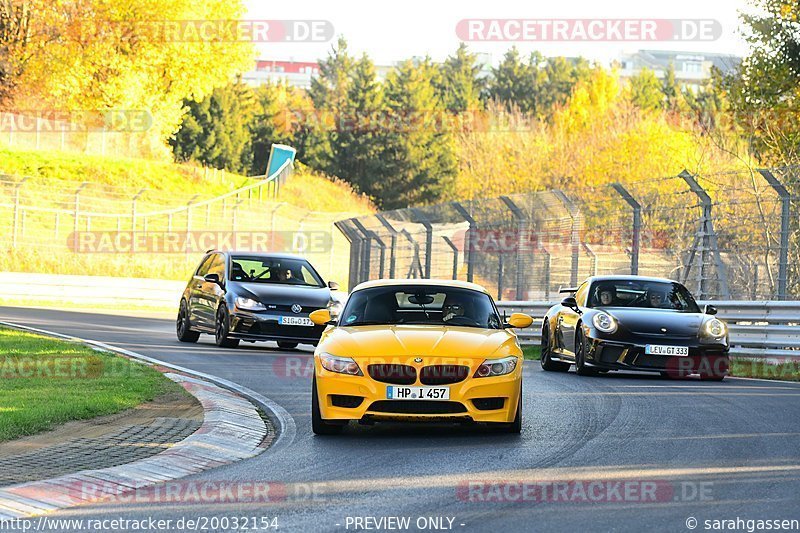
x=417 y=350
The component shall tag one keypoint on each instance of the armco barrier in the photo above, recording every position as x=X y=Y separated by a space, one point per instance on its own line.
x=758 y=329
x=90 y=289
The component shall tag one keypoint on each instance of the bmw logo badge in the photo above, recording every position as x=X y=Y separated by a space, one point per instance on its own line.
x=418 y=360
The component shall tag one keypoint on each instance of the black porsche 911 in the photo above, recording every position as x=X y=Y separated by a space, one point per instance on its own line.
x=634 y=323
x=254 y=297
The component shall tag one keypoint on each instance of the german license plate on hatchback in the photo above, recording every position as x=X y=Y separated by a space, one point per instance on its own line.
x=417 y=393
x=659 y=349
x=295 y=321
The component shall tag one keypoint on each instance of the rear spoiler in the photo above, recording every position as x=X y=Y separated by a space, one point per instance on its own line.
x=567 y=290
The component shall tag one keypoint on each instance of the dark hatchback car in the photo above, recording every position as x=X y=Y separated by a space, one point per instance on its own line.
x=246 y=296
x=634 y=323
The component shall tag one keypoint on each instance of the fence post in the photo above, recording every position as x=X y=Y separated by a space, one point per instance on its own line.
x=415 y=262
x=355 y=250
x=783 y=253
x=637 y=225
x=575 y=239
x=77 y=215
x=521 y=231
x=454 y=248
x=234 y=211
x=469 y=247
x=134 y=200
x=366 y=250
x=17 y=187
x=428 y=238
x=706 y=240
x=393 y=250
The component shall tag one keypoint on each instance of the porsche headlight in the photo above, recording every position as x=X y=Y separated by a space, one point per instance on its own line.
x=604 y=322
x=340 y=365
x=715 y=328
x=248 y=304
x=496 y=367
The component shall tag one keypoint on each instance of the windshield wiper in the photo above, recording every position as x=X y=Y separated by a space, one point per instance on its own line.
x=369 y=323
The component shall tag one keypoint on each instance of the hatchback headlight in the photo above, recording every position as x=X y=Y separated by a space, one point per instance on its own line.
x=604 y=322
x=335 y=308
x=340 y=365
x=496 y=367
x=714 y=328
x=248 y=304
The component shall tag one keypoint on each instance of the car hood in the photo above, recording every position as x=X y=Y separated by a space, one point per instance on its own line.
x=651 y=321
x=310 y=298
x=416 y=340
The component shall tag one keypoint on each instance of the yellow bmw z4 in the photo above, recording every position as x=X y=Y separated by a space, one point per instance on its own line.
x=417 y=350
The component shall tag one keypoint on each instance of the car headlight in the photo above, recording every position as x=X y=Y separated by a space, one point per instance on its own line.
x=340 y=365
x=496 y=367
x=248 y=304
x=604 y=322
x=335 y=308
x=714 y=328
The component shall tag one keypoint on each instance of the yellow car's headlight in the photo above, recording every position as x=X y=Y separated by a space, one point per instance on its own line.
x=496 y=367
x=340 y=365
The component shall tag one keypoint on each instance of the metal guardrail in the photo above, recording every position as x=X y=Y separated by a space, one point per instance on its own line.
x=757 y=329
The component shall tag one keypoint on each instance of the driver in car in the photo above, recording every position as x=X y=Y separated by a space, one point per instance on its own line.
x=606 y=296
x=656 y=299
x=451 y=309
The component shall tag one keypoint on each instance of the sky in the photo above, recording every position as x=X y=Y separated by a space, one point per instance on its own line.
x=389 y=31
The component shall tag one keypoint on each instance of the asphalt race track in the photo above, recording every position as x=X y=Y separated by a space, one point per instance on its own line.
x=714 y=451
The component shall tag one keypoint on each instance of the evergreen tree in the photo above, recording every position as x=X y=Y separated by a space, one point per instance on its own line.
x=670 y=89
x=460 y=86
x=646 y=90
x=512 y=82
x=420 y=155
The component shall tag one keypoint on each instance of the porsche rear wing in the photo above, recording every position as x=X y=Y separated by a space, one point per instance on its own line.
x=567 y=290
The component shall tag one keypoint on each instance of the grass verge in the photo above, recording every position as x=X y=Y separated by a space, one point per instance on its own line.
x=755 y=368
x=532 y=352
x=46 y=382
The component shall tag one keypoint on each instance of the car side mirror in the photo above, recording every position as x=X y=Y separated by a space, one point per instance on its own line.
x=332 y=285
x=571 y=303
x=321 y=317
x=710 y=310
x=212 y=278
x=519 y=320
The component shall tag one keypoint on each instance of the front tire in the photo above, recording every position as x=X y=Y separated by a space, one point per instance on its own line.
x=581 y=367
x=545 y=360
x=183 y=326
x=318 y=424
x=222 y=328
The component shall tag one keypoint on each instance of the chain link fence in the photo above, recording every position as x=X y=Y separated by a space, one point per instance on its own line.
x=726 y=236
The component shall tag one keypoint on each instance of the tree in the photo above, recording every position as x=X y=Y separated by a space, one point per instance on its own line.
x=113 y=56
x=646 y=90
x=513 y=82
x=216 y=131
x=419 y=156
x=460 y=85
x=670 y=88
x=361 y=139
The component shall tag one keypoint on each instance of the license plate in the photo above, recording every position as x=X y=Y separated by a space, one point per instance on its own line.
x=417 y=393
x=658 y=349
x=295 y=321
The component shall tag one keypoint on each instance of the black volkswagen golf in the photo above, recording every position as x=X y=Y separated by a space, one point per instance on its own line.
x=634 y=323
x=254 y=297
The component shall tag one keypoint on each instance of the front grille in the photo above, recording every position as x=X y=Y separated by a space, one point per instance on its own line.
x=395 y=374
x=416 y=407
x=343 y=400
x=443 y=374
x=488 y=404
